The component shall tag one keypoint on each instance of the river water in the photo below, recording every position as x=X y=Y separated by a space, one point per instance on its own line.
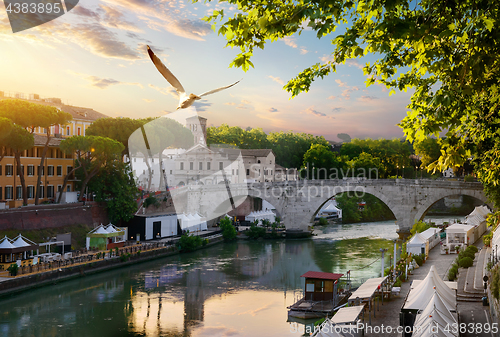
x=231 y=289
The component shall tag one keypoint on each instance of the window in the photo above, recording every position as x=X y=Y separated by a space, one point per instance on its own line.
x=170 y=171
x=208 y=167
x=59 y=170
x=0 y=172
x=9 y=170
x=221 y=165
x=200 y=166
x=182 y=166
x=50 y=170
x=68 y=188
x=41 y=192
x=0 y=192
x=30 y=191
x=50 y=191
x=59 y=188
x=31 y=170
x=67 y=131
x=19 y=192
x=191 y=165
x=8 y=192
x=232 y=172
x=248 y=172
x=41 y=170
x=79 y=131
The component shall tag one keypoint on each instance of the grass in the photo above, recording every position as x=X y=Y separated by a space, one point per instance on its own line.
x=78 y=234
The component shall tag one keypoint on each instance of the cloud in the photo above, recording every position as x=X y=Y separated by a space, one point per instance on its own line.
x=202 y=105
x=348 y=62
x=303 y=51
x=277 y=80
x=272 y=110
x=103 y=83
x=367 y=98
x=332 y=97
x=113 y=18
x=340 y=83
x=290 y=41
x=354 y=63
x=147 y=100
x=230 y=103
x=338 y=109
x=165 y=91
x=82 y=11
x=311 y=111
x=244 y=101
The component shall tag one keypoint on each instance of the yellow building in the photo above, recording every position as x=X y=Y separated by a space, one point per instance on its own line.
x=56 y=165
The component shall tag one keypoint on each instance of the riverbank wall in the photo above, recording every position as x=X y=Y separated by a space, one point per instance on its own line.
x=53 y=216
x=15 y=285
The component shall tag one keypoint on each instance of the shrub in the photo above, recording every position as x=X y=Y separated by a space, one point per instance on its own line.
x=452 y=273
x=495 y=283
x=256 y=232
x=472 y=248
x=13 y=268
x=228 y=230
x=469 y=179
x=188 y=243
x=418 y=259
x=487 y=239
x=397 y=283
x=151 y=200
x=466 y=253
x=323 y=222
x=465 y=262
x=205 y=242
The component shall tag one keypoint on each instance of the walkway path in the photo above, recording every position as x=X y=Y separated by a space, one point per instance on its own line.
x=469 y=292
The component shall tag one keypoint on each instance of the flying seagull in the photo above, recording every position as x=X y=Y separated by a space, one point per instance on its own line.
x=185 y=100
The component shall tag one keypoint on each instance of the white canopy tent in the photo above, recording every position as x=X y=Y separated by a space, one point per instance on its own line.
x=434 y=319
x=261 y=215
x=418 y=297
x=431 y=235
x=459 y=235
x=418 y=245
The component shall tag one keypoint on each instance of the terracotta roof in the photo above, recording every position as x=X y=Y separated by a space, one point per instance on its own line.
x=40 y=140
x=255 y=152
x=321 y=275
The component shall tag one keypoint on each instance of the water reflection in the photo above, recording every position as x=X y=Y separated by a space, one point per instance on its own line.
x=239 y=289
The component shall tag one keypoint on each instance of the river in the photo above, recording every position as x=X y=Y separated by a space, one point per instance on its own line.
x=231 y=289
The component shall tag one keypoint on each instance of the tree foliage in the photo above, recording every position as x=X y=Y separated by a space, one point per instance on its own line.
x=445 y=51
x=115 y=185
x=321 y=163
x=92 y=153
x=429 y=151
x=227 y=228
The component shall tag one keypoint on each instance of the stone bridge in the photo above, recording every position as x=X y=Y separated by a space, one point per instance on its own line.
x=298 y=201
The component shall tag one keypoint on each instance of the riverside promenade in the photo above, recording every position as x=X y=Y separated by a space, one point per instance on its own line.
x=469 y=308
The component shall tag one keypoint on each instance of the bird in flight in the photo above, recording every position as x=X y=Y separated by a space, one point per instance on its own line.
x=185 y=100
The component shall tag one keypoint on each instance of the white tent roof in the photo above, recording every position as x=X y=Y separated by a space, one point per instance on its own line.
x=417 y=240
x=429 y=233
x=347 y=314
x=482 y=211
x=419 y=296
x=475 y=220
x=367 y=289
x=433 y=320
x=19 y=242
x=110 y=229
x=458 y=228
x=5 y=243
x=325 y=330
x=100 y=230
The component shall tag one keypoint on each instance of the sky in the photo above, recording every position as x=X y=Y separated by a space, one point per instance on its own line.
x=95 y=56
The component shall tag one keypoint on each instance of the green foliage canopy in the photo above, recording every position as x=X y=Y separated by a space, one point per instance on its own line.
x=446 y=51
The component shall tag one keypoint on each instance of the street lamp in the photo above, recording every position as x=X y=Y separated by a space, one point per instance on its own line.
x=382 y=250
x=403 y=171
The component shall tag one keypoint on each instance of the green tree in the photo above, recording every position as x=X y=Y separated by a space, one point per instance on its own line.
x=321 y=163
x=115 y=185
x=92 y=153
x=227 y=228
x=445 y=51
x=20 y=140
x=6 y=127
x=429 y=151
x=349 y=206
x=30 y=116
x=118 y=129
x=366 y=166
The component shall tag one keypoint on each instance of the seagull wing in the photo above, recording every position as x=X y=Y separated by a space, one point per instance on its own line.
x=166 y=73
x=218 y=89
